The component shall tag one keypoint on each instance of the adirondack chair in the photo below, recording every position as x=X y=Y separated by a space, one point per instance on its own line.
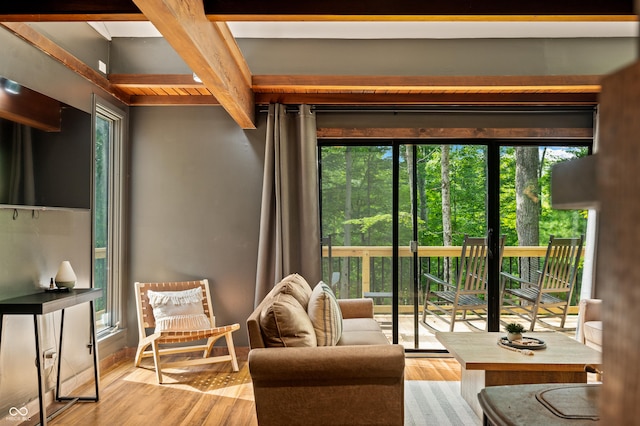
x=468 y=293
x=550 y=295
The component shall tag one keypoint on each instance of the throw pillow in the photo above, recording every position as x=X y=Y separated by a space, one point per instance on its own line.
x=285 y=323
x=325 y=315
x=178 y=310
x=298 y=287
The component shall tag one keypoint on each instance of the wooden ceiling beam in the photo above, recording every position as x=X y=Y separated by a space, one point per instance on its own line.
x=207 y=50
x=374 y=90
x=487 y=83
x=421 y=84
x=74 y=10
x=154 y=80
x=330 y=10
x=168 y=100
x=428 y=98
x=363 y=99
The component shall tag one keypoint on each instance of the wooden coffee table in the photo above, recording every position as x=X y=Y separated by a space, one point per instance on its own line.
x=483 y=363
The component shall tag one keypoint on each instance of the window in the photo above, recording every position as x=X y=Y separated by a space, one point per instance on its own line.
x=421 y=197
x=108 y=214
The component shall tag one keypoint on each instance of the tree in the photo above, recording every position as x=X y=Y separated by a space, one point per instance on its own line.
x=447 y=233
x=527 y=202
x=344 y=266
x=357 y=201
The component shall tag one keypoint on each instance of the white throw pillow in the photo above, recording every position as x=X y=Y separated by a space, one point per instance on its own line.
x=325 y=315
x=178 y=310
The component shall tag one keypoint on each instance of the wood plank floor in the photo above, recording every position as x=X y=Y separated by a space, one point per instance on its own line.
x=207 y=395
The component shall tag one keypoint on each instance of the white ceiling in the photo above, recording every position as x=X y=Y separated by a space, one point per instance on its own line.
x=405 y=29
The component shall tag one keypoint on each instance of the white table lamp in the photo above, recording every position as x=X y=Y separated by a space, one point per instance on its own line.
x=65 y=278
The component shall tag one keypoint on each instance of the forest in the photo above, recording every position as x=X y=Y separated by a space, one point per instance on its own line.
x=451 y=192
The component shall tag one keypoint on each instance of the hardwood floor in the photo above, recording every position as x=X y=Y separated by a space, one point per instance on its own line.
x=447 y=369
x=211 y=395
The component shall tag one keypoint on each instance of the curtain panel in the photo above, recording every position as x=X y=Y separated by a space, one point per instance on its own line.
x=21 y=177
x=289 y=240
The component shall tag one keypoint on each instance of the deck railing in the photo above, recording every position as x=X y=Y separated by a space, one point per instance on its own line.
x=366 y=270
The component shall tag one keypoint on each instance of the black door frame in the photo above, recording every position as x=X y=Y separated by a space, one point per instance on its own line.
x=493 y=216
x=493 y=147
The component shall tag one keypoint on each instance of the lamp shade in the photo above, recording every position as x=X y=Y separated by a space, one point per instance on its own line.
x=65 y=276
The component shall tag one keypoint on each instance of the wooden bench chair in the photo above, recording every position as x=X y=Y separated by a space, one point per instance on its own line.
x=191 y=324
x=469 y=292
x=550 y=295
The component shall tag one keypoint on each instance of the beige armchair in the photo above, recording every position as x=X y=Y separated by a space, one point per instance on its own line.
x=590 y=323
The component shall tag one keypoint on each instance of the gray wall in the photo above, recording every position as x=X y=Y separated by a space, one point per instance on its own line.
x=195 y=202
x=584 y=56
x=438 y=57
x=145 y=55
x=37 y=71
x=31 y=249
x=79 y=39
x=32 y=244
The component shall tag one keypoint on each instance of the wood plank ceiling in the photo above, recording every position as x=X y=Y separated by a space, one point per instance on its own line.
x=196 y=29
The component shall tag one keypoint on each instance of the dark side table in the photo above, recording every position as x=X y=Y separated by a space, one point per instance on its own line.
x=38 y=304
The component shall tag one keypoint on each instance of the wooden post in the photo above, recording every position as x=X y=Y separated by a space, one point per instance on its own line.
x=366 y=272
x=618 y=270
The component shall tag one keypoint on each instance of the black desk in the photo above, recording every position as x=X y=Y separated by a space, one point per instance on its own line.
x=45 y=303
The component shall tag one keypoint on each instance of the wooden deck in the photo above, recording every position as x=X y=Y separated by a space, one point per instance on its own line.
x=426 y=335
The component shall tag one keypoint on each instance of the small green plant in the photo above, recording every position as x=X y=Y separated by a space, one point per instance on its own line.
x=514 y=328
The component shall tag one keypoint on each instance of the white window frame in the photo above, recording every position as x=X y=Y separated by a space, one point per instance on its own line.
x=115 y=250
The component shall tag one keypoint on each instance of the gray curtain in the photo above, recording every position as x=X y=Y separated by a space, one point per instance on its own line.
x=21 y=180
x=289 y=222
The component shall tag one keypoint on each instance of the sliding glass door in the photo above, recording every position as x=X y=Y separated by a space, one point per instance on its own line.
x=528 y=220
x=443 y=195
x=393 y=212
x=356 y=211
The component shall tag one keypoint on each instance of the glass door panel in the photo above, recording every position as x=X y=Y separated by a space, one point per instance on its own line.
x=426 y=198
x=356 y=189
x=528 y=220
x=447 y=194
x=103 y=140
